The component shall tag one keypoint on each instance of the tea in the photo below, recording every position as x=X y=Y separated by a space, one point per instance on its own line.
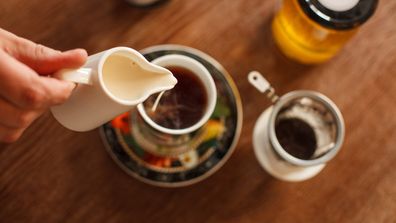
x=296 y=137
x=182 y=106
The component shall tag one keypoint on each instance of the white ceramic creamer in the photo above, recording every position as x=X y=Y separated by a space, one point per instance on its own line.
x=110 y=83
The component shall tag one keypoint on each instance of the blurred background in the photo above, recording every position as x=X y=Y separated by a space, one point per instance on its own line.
x=54 y=175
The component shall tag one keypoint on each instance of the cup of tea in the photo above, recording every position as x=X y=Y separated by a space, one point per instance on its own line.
x=110 y=83
x=174 y=125
x=295 y=137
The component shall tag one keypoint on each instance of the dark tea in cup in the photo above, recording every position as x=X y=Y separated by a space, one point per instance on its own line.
x=182 y=106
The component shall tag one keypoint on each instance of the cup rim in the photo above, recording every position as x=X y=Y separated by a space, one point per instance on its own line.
x=209 y=85
x=326 y=102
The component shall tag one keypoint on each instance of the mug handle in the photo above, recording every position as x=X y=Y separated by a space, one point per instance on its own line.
x=258 y=81
x=80 y=76
x=261 y=84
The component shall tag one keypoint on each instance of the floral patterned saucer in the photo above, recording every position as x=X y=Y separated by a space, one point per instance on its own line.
x=215 y=145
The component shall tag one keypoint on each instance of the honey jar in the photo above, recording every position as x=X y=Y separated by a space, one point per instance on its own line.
x=313 y=31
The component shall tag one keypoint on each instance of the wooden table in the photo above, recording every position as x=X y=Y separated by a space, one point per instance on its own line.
x=55 y=175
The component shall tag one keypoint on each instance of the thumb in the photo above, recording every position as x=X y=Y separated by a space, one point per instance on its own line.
x=57 y=91
x=45 y=60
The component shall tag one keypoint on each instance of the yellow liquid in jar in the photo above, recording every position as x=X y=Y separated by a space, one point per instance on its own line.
x=304 y=40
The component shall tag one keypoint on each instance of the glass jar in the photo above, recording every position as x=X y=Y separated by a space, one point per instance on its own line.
x=313 y=31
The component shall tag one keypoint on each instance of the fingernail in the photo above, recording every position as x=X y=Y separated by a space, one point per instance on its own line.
x=72 y=85
x=82 y=52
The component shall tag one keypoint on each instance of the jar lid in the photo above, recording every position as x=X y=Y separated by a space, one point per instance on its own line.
x=339 y=14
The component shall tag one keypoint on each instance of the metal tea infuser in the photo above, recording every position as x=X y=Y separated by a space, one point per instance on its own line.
x=310 y=107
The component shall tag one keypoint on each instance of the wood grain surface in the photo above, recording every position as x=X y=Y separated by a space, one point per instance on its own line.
x=55 y=175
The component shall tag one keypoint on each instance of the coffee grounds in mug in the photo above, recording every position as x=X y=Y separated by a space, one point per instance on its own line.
x=296 y=137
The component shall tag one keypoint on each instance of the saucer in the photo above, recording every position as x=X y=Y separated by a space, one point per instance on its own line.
x=216 y=144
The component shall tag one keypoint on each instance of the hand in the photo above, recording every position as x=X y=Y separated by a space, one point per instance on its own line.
x=26 y=88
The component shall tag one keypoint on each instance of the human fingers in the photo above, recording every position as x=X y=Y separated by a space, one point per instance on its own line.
x=9 y=135
x=21 y=86
x=45 y=60
x=16 y=82
x=12 y=116
x=57 y=91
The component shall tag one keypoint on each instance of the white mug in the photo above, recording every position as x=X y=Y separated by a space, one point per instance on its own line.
x=172 y=142
x=105 y=89
x=203 y=74
x=310 y=107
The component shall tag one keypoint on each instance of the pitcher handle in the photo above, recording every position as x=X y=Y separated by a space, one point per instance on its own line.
x=80 y=76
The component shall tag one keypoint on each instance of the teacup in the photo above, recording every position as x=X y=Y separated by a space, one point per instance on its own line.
x=173 y=140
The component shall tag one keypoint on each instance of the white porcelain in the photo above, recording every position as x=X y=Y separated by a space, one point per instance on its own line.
x=206 y=78
x=268 y=150
x=270 y=161
x=91 y=103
